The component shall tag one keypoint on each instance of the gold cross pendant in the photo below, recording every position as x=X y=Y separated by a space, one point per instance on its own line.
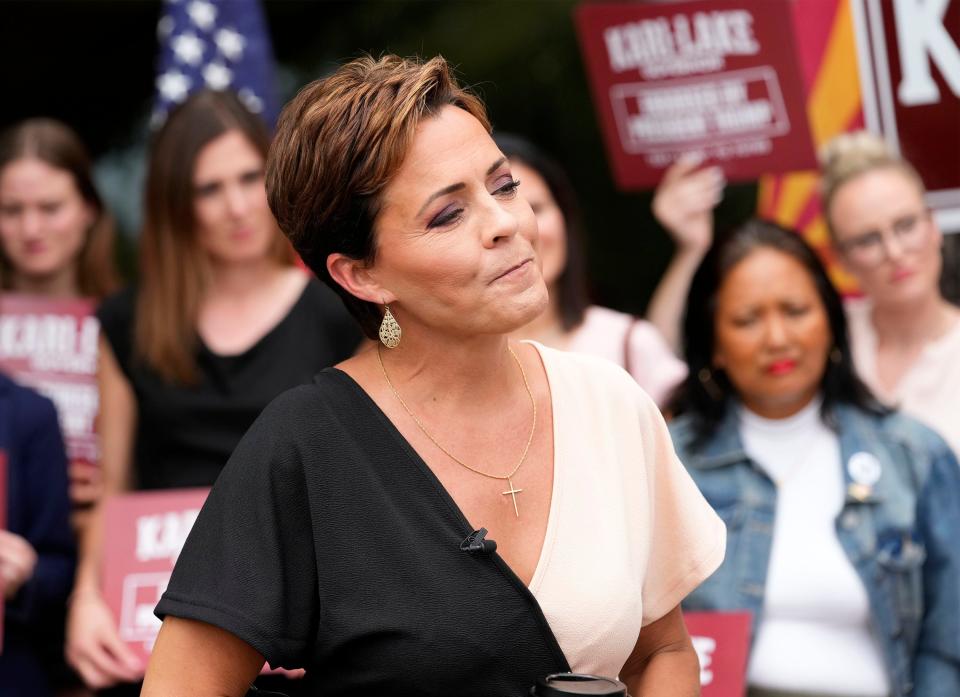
x=513 y=493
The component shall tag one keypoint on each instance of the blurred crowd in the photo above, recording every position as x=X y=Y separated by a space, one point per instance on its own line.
x=822 y=429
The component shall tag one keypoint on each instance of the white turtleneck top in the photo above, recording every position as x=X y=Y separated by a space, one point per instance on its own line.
x=814 y=636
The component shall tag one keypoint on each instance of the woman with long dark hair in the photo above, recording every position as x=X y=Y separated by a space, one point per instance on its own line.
x=56 y=236
x=570 y=322
x=842 y=516
x=222 y=321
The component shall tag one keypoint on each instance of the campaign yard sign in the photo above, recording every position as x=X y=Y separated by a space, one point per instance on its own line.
x=722 y=641
x=3 y=526
x=145 y=532
x=718 y=77
x=909 y=60
x=51 y=346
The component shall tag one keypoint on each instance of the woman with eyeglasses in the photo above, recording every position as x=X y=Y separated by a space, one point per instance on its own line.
x=905 y=334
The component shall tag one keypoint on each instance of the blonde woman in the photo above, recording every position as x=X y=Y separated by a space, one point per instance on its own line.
x=905 y=334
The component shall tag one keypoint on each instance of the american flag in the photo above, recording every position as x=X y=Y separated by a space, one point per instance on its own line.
x=219 y=44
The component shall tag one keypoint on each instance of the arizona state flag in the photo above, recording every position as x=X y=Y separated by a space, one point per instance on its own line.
x=828 y=57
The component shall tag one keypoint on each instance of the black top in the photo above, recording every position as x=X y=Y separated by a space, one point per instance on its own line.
x=186 y=433
x=327 y=543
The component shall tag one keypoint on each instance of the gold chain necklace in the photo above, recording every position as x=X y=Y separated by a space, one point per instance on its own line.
x=512 y=490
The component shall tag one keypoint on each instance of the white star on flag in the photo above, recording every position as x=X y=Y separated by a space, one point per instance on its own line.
x=217 y=76
x=188 y=48
x=165 y=27
x=173 y=85
x=231 y=43
x=251 y=100
x=217 y=45
x=203 y=14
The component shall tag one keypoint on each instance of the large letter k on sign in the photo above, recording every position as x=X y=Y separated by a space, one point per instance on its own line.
x=920 y=31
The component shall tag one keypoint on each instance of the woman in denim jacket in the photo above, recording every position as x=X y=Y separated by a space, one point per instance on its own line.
x=843 y=518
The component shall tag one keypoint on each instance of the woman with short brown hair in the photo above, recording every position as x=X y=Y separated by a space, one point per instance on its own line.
x=350 y=532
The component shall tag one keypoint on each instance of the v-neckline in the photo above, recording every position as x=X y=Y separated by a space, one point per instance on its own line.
x=546 y=544
x=267 y=336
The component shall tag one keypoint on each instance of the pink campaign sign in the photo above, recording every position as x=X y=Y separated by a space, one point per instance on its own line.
x=722 y=641
x=3 y=526
x=145 y=532
x=719 y=78
x=51 y=346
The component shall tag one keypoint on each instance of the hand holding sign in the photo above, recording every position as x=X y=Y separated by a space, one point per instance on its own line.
x=113 y=634
x=94 y=647
x=684 y=203
x=86 y=482
x=18 y=559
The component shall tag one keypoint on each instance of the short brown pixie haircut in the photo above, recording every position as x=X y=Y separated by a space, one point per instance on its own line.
x=338 y=144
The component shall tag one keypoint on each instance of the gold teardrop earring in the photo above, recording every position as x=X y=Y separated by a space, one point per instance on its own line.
x=389 y=329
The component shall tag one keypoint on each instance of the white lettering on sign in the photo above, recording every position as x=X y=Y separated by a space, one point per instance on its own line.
x=923 y=39
x=161 y=536
x=76 y=404
x=51 y=342
x=661 y=47
x=699 y=112
x=705 y=647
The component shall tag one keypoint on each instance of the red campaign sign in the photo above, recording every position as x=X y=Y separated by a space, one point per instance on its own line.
x=51 y=346
x=719 y=78
x=722 y=642
x=145 y=532
x=3 y=498
x=909 y=59
x=3 y=526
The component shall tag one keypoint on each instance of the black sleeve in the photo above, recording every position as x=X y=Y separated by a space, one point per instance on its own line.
x=116 y=314
x=248 y=565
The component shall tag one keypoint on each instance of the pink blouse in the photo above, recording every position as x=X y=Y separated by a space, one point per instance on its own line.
x=929 y=389
x=633 y=344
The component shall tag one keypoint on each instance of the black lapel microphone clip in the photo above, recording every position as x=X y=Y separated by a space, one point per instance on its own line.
x=476 y=544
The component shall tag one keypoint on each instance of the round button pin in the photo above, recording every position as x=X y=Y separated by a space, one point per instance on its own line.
x=864 y=468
